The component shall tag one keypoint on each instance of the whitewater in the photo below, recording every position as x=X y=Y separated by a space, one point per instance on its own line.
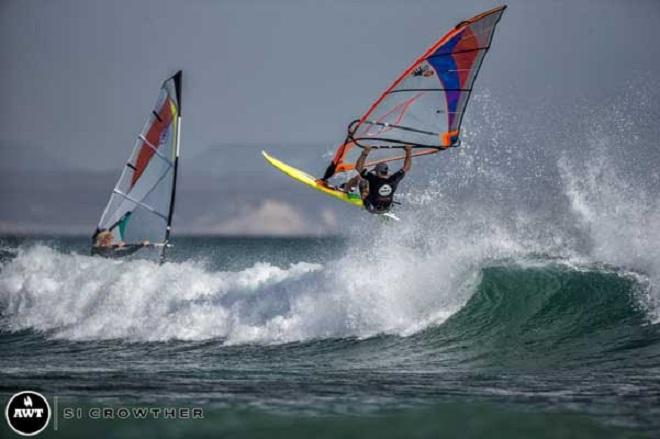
x=586 y=208
x=523 y=273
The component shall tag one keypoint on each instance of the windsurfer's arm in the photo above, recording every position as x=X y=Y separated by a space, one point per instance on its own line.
x=407 y=163
x=359 y=165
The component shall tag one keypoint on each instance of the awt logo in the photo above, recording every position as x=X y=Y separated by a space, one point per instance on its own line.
x=27 y=413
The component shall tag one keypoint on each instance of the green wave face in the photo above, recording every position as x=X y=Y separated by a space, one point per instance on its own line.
x=545 y=316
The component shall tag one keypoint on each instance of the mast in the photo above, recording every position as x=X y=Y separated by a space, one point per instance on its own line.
x=177 y=85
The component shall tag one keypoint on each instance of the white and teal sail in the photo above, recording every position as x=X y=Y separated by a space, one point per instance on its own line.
x=142 y=202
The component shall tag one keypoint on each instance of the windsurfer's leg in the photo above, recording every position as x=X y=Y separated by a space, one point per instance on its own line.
x=351 y=184
x=364 y=188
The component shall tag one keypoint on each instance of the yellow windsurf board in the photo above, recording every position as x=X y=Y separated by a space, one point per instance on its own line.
x=312 y=182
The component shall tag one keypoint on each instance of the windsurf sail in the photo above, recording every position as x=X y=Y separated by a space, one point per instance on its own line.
x=425 y=105
x=141 y=205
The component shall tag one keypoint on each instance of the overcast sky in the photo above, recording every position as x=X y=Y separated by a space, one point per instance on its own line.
x=78 y=78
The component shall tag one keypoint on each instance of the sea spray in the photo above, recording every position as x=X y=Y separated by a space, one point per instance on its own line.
x=79 y=297
x=505 y=195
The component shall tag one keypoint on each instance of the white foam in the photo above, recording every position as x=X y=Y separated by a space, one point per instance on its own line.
x=386 y=283
x=80 y=297
x=395 y=278
x=621 y=219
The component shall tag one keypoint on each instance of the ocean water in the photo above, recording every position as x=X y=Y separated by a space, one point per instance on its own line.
x=294 y=337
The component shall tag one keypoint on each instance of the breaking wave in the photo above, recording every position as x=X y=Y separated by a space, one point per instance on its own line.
x=568 y=210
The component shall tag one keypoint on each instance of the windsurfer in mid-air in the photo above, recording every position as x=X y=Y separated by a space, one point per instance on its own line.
x=103 y=245
x=423 y=107
x=377 y=187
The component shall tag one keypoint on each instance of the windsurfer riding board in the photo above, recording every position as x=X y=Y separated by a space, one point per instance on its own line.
x=377 y=187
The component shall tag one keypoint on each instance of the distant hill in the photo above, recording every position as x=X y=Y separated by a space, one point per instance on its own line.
x=17 y=156
x=224 y=190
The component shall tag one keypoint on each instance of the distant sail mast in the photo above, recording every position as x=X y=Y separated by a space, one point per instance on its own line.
x=141 y=205
x=177 y=87
x=424 y=106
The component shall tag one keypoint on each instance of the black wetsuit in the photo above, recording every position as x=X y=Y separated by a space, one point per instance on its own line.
x=381 y=190
x=116 y=251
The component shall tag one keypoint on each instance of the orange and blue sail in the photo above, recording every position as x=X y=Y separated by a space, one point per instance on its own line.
x=424 y=106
